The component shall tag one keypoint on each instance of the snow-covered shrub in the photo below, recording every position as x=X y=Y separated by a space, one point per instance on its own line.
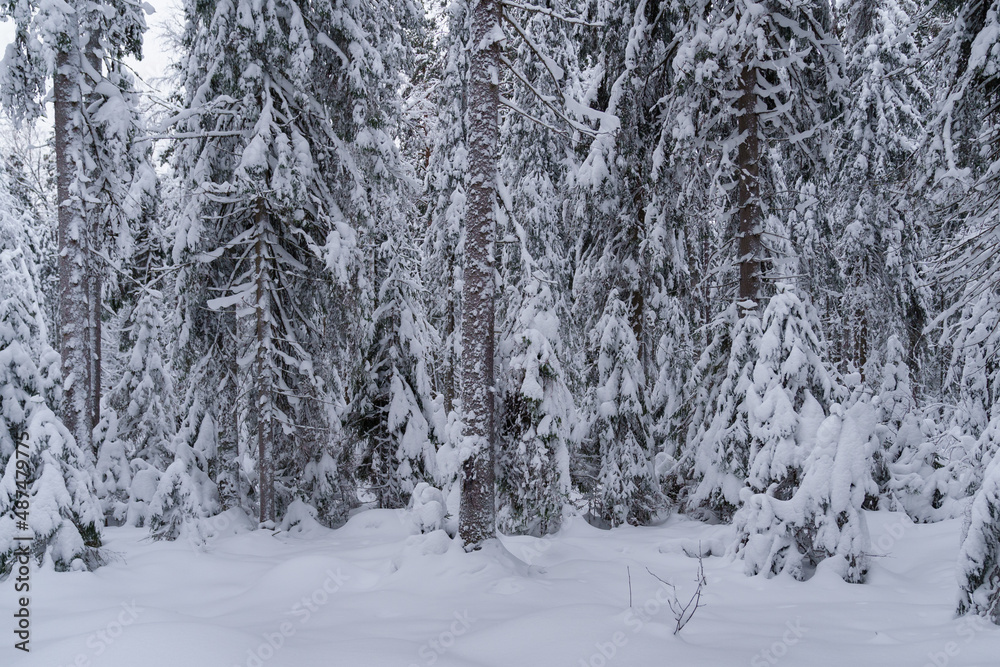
x=427 y=508
x=138 y=418
x=822 y=517
x=629 y=491
x=979 y=556
x=185 y=493
x=720 y=434
x=534 y=418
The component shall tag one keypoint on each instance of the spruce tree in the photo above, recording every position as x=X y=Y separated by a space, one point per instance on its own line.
x=103 y=177
x=979 y=556
x=44 y=469
x=535 y=419
x=138 y=421
x=628 y=491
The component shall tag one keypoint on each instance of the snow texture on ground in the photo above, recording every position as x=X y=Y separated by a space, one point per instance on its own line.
x=373 y=594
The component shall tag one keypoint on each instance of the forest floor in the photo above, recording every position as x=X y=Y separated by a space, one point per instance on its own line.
x=372 y=594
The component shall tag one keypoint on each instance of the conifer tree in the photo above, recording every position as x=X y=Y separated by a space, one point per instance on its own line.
x=396 y=414
x=877 y=212
x=775 y=100
x=793 y=531
x=44 y=468
x=535 y=417
x=979 y=556
x=102 y=174
x=285 y=225
x=720 y=428
x=628 y=491
x=138 y=421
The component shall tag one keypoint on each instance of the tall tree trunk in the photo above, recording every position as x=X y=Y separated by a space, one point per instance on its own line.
x=265 y=388
x=477 y=515
x=74 y=289
x=451 y=363
x=748 y=191
x=94 y=270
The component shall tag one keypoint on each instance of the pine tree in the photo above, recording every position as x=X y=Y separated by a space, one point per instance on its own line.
x=184 y=492
x=809 y=474
x=445 y=191
x=975 y=344
x=395 y=414
x=286 y=225
x=791 y=393
x=776 y=100
x=477 y=517
x=877 y=214
x=624 y=211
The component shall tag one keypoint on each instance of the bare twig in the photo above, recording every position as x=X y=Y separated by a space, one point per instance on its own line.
x=685 y=612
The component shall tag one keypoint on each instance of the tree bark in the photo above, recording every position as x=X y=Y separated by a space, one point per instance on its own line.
x=94 y=271
x=477 y=515
x=74 y=289
x=748 y=189
x=265 y=389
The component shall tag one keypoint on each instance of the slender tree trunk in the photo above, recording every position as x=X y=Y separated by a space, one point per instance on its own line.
x=451 y=364
x=265 y=389
x=477 y=516
x=748 y=191
x=94 y=270
x=860 y=334
x=74 y=289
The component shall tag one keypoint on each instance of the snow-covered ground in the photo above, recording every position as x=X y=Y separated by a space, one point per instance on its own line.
x=373 y=594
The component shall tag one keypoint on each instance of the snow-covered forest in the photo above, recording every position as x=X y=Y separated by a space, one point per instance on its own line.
x=585 y=304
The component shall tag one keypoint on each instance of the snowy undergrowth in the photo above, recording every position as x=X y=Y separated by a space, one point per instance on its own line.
x=372 y=593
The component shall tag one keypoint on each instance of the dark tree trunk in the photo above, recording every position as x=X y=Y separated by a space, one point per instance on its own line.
x=265 y=389
x=74 y=288
x=94 y=270
x=477 y=516
x=748 y=190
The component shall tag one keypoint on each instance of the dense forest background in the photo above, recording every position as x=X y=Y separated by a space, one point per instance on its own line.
x=726 y=258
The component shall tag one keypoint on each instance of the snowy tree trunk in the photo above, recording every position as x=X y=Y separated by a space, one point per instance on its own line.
x=74 y=289
x=477 y=517
x=748 y=192
x=265 y=390
x=93 y=272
